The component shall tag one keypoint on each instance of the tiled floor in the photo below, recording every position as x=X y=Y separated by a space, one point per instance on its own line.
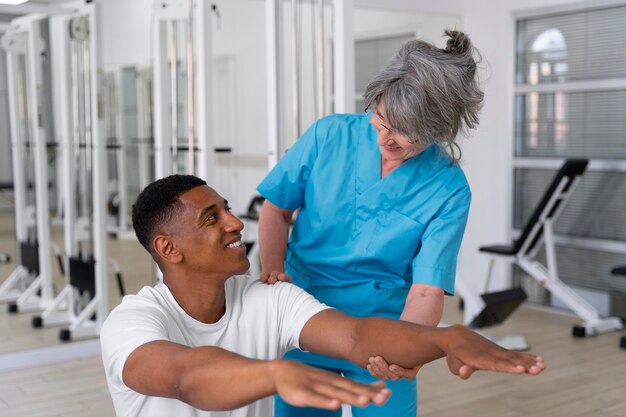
x=68 y=389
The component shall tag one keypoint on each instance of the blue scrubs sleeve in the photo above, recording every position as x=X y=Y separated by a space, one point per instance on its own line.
x=285 y=184
x=435 y=262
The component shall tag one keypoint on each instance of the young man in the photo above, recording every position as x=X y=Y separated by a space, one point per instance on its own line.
x=207 y=339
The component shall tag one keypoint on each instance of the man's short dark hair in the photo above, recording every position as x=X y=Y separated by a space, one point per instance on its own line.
x=158 y=202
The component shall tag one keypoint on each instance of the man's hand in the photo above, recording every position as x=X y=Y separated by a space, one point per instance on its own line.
x=379 y=368
x=467 y=351
x=274 y=277
x=304 y=386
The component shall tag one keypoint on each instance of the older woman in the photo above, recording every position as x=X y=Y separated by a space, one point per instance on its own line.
x=383 y=205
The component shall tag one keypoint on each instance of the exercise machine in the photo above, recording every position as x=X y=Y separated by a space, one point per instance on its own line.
x=285 y=110
x=129 y=142
x=138 y=121
x=250 y=233
x=114 y=135
x=182 y=56
x=493 y=308
x=29 y=287
x=83 y=303
x=621 y=271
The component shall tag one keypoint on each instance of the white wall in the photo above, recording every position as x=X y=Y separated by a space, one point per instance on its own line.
x=429 y=26
x=487 y=153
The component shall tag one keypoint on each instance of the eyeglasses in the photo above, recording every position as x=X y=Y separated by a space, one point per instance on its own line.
x=382 y=123
x=391 y=130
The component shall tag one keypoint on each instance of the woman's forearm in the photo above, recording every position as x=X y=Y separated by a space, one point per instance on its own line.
x=424 y=305
x=274 y=224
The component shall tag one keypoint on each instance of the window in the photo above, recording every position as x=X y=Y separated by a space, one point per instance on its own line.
x=570 y=101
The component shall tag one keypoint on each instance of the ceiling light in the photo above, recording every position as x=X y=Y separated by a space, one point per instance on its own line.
x=14 y=2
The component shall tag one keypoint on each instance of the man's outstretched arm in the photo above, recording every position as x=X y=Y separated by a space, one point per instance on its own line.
x=211 y=378
x=333 y=333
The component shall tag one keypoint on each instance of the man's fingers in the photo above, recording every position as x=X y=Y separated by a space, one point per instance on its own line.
x=498 y=361
x=518 y=363
x=533 y=365
x=312 y=387
x=357 y=393
x=346 y=395
x=314 y=399
x=331 y=393
x=537 y=367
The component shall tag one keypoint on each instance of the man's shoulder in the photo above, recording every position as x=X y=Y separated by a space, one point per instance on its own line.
x=149 y=301
x=246 y=286
x=146 y=296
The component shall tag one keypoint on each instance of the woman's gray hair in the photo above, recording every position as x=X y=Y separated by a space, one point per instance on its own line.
x=429 y=93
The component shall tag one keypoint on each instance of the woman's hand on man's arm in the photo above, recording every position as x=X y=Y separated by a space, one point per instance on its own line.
x=423 y=305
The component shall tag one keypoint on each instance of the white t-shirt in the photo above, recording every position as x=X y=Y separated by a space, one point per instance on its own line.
x=261 y=321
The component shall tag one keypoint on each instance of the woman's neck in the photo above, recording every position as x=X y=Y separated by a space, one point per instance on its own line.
x=386 y=166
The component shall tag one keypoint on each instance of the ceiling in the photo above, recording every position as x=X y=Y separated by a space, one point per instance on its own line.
x=9 y=12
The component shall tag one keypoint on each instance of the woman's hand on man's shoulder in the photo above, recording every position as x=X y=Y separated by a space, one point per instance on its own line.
x=274 y=276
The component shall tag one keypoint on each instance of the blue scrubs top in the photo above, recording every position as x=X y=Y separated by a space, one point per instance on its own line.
x=359 y=242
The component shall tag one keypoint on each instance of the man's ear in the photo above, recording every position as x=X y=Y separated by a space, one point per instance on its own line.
x=166 y=249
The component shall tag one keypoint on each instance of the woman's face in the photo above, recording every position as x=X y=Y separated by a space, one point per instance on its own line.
x=394 y=146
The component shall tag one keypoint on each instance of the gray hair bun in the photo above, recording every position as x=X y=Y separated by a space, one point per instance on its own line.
x=459 y=43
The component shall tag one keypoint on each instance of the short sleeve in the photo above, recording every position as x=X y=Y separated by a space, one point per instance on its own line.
x=435 y=262
x=129 y=326
x=285 y=184
x=295 y=307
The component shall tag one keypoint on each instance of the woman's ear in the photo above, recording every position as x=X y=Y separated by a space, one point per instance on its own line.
x=166 y=249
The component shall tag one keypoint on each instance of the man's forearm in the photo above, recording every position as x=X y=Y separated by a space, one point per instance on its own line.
x=402 y=343
x=234 y=383
x=208 y=378
x=334 y=333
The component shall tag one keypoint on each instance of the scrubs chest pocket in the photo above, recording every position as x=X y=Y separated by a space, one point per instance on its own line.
x=394 y=240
